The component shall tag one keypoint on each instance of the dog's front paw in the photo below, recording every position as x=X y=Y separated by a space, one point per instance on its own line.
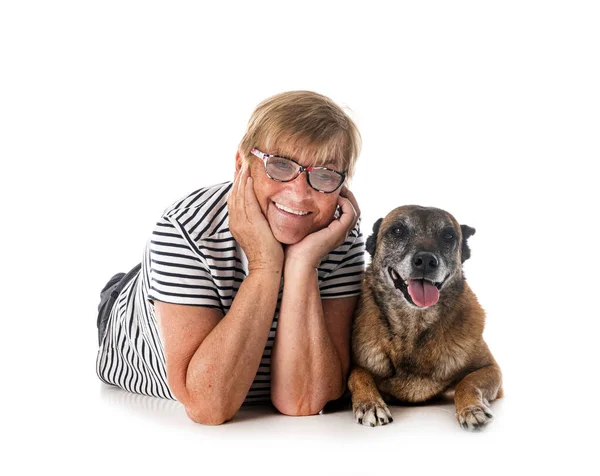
x=372 y=413
x=475 y=417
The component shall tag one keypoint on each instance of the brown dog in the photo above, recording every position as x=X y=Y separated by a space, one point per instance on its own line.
x=418 y=326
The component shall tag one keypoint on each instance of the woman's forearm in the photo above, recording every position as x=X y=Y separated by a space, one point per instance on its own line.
x=223 y=368
x=306 y=370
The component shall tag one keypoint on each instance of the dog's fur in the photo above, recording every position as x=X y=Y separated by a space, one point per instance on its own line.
x=405 y=353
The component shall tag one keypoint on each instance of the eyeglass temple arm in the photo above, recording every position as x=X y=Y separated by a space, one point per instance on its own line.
x=259 y=154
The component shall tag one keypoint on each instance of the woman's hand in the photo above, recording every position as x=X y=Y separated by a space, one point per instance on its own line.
x=250 y=228
x=312 y=248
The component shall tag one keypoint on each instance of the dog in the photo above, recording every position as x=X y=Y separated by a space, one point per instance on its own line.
x=417 y=331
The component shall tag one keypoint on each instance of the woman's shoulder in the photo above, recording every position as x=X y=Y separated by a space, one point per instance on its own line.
x=202 y=197
x=199 y=215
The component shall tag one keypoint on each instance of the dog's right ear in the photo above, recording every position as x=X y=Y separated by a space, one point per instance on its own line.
x=467 y=232
x=372 y=239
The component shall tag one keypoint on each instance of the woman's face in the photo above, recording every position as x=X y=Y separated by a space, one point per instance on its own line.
x=313 y=210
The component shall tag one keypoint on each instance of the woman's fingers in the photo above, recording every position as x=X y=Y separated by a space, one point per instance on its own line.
x=240 y=192
x=235 y=203
x=236 y=184
x=252 y=207
x=346 y=193
x=349 y=217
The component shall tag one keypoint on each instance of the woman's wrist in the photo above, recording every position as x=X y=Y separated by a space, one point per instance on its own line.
x=269 y=261
x=299 y=267
x=266 y=268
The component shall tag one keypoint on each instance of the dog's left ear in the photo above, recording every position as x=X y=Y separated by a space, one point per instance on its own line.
x=467 y=232
x=372 y=239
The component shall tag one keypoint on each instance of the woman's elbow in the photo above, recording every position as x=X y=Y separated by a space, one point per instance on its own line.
x=209 y=414
x=297 y=410
x=298 y=407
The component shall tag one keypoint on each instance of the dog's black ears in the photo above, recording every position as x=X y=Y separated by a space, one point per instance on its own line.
x=372 y=239
x=467 y=232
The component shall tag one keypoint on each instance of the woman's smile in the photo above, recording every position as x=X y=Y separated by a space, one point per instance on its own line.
x=291 y=210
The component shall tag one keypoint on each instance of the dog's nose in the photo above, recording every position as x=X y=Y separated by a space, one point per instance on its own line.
x=425 y=261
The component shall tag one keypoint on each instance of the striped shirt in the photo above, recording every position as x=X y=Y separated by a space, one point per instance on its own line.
x=192 y=259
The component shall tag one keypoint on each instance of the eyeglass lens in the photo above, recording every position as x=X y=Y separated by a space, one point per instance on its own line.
x=285 y=170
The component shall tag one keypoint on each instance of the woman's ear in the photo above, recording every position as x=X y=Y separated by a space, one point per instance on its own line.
x=238 y=162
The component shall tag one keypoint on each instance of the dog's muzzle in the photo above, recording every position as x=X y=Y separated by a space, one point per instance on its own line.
x=419 y=292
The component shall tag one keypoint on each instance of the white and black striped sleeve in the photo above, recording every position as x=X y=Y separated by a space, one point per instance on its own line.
x=179 y=274
x=341 y=271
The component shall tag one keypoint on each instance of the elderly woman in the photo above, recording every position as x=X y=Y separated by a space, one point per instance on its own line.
x=246 y=290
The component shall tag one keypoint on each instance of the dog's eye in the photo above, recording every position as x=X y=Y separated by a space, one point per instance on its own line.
x=449 y=237
x=398 y=230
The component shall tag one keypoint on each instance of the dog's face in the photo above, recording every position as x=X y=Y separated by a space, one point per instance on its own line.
x=418 y=252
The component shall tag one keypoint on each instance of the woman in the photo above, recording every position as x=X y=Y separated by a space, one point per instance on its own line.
x=246 y=290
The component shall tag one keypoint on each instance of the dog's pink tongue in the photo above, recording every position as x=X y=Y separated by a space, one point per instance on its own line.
x=422 y=292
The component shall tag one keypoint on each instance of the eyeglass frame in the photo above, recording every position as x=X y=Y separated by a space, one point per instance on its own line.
x=301 y=169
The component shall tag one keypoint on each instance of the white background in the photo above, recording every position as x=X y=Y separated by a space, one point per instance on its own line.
x=109 y=111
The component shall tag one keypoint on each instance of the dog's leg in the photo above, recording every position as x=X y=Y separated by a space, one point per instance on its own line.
x=367 y=405
x=473 y=395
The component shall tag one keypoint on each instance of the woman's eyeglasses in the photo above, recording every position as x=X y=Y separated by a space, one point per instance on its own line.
x=282 y=169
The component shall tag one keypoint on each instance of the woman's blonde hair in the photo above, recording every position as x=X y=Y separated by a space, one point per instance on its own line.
x=306 y=122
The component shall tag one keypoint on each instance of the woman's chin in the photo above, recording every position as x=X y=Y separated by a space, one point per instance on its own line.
x=287 y=238
x=288 y=230
x=287 y=235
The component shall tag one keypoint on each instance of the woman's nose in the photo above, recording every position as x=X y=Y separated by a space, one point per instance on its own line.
x=300 y=183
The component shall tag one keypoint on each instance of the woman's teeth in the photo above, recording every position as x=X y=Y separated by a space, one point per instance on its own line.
x=290 y=210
